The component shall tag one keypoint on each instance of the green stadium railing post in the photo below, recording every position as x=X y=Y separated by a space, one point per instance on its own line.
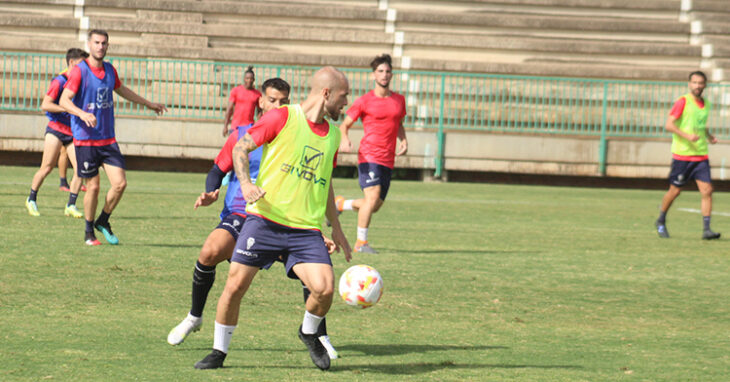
x=440 y=135
x=602 y=142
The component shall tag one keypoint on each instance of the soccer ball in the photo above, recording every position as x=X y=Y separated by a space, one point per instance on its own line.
x=361 y=286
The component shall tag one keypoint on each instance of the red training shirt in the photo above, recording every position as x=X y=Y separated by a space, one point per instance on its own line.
x=245 y=101
x=381 y=119
x=74 y=77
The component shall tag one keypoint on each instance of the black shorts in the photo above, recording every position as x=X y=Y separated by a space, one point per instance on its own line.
x=373 y=174
x=233 y=224
x=263 y=242
x=682 y=171
x=65 y=139
x=90 y=158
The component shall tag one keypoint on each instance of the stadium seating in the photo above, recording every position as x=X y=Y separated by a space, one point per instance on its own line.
x=574 y=38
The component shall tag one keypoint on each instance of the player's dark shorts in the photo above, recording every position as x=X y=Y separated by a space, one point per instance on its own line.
x=373 y=174
x=90 y=158
x=65 y=139
x=683 y=171
x=262 y=242
x=233 y=224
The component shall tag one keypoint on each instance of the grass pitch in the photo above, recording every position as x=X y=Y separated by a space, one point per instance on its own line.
x=482 y=282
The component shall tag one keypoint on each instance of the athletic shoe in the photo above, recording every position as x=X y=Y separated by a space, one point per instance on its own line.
x=90 y=239
x=64 y=189
x=32 y=207
x=661 y=229
x=106 y=229
x=214 y=360
x=364 y=247
x=325 y=340
x=340 y=203
x=83 y=188
x=317 y=352
x=72 y=211
x=709 y=235
x=92 y=242
x=180 y=332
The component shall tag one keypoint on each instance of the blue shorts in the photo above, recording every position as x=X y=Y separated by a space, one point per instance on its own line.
x=233 y=224
x=65 y=139
x=262 y=242
x=682 y=171
x=90 y=158
x=373 y=174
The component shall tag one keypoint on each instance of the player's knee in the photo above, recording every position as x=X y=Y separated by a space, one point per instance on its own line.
x=45 y=170
x=211 y=255
x=377 y=205
x=92 y=187
x=322 y=292
x=120 y=186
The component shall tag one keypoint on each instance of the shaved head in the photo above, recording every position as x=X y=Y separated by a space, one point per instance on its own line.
x=332 y=85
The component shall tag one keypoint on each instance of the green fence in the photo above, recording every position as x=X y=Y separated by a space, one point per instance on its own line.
x=436 y=101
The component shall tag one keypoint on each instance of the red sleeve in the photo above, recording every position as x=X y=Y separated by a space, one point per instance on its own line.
x=74 y=80
x=54 y=89
x=355 y=111
x=224 y=160
x=269 y=126
x=117 y=82
x=678 y=108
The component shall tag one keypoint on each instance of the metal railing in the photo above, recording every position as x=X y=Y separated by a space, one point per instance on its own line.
x=435 y=101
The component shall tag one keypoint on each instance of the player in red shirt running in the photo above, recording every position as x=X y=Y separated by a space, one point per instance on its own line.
x=58 y=137
x=243 y=103
x=382 y=112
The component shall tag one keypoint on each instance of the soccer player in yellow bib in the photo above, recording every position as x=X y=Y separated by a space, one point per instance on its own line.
x=687 y=122
x=286 y=208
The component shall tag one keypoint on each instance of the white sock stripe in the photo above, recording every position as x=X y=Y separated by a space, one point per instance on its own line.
x=200 y=270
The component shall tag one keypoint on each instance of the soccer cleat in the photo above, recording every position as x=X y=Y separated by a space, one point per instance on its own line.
x=64 y=189
x=32 y=207
x=364 y=247
x=709 y=235
x=661 y=229
x=106 y=229
x=340 y=203
x=83 y=188
x=92 y=242
x=182 y=330
x=214 y=360
x=325 y=340
x=72 y=211
x=317 y=351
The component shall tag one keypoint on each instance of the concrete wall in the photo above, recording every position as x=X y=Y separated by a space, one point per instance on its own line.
x=465 y=151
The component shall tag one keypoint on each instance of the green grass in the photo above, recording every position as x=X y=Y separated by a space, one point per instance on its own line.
x=482 y=282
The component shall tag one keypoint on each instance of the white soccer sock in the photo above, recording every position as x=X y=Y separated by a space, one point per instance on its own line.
x=362 y=234
x=347 y=205
x=310 y=323
x=223 y=336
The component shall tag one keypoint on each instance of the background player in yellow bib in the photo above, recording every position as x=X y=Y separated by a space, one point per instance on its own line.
x=687 y=122
x=286 y=208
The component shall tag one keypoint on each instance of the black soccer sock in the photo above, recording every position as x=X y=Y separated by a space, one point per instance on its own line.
x=706 y=222
x=322 y=329
x=203 y=279
x=64 y=183
x=103 y=218
x=662 y=217
x=72 y=199
x=33 y=195
x=89 y=226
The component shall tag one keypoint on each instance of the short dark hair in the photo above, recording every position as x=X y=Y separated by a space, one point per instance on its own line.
x=276 y=83
x=99 y=32
x=698 y=73
x=74 y=54
x=249 y=70
x=382 y=59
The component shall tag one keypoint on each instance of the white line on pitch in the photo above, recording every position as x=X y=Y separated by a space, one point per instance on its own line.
x=696 y=211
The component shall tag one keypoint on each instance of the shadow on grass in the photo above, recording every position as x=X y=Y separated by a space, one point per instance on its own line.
x=392 y=349
x=164 y=245
x=428 y=367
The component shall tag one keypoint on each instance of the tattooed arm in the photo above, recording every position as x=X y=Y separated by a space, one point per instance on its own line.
x=243 y=147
